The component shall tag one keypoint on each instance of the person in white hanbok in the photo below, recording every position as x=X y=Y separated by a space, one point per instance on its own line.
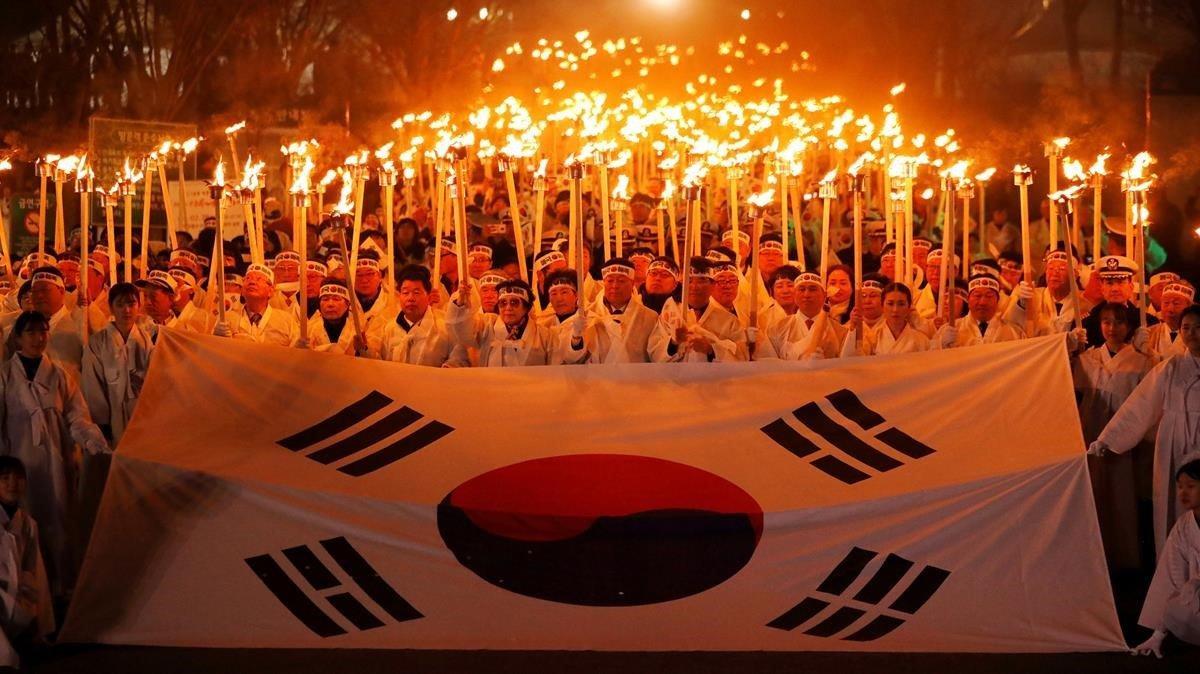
x=418 y=335
x=333 y=329
x=1169 y=396
x=894 y=334
x=1164 y=340
x=983 y=323
x=115 y=364
x=26 y=611
x=619 y=327
x=1105 y=376
x=706 y=333
x=810 y=322
x=1172 y=603
x=511 y=338
x=49 y=294
x=259 y=322
x=44 y=418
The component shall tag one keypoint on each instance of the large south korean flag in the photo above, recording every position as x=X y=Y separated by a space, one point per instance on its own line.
x=270 y=497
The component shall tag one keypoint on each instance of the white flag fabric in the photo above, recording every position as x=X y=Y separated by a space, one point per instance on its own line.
x=267 y=497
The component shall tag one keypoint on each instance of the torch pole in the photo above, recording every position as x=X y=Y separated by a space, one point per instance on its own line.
x=169 y=207
x=508 y=167
x=43 y=175
x=147 y=173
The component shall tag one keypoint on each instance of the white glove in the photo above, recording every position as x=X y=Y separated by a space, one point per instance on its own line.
x=302 y=343
x=1151 y=646
x=1076 y=339
x=1062 y=323
x=222 y=329
x=752 y=334
x=1024 y=293
x=1141 y=339
x=949 y=336
x=1098 y=448
x=578 y=324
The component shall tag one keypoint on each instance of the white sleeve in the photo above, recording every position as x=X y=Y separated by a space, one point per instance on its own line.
x=1139 y=413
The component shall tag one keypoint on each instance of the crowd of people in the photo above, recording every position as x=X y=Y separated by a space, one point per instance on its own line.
x=77 y=361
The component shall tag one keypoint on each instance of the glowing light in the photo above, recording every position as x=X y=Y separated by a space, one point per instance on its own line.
x=451 y=14
x=483 y=13
x=745 y=15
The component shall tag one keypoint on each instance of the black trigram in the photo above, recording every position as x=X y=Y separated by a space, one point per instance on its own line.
x=840 y=436
x=387 y=428
x=891 y=574
x=320 y=578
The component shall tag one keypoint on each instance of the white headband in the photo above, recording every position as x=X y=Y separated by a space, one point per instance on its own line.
x=1180 y=289
x=515 y=291
x=618 y=270
x=49 y=278
x=986 y=282
x=549 y=259
x=261 y=269
x=336 y=291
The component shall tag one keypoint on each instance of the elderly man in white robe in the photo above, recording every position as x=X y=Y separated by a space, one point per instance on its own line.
x=705 y=333
x=983 y=323
x=1172 y=603
x=49 y=295
x=1165 y=340
x=619 y=327
x=259 y=322
x=1170 y=397
x=510 y=337
x=333 y=329
x=44 y=418
x=418 y=335
x=810 y=333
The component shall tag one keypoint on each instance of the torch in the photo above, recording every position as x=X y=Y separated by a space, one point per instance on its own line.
x=966 y=191
x=149 y=166
x=231 y=133
x=216 y=190
x=162 y=156
x=620 y=205
x=341 y=218
x=5 y=254
x=64 y=170
x=828 y=191
x=301 y=191
x=1053 y=150
x=45 y=169
x=1097 y=172
x=600 y=157
x=982 y=179
x=734 y=173
x=793 y=185
x=84 y=186
x=182 y=151
x=577 y=243
x=1135 y=183
x=1068 y=199
x=758 y=208
x=128 y=189
x=109 y=198
x=1023 y=178
x=356 y=168
x=539 y=204
x=665 y=207
x=508 y=166
x=857 y=180
x=387 y=180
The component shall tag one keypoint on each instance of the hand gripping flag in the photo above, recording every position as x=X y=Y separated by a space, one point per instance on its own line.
x=929 y=502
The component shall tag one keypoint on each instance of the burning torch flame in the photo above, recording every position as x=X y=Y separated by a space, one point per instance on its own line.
x=229 y=131
x=1061 y=143
x=1066 y=195
x=829 y=177
x=328 y=178
x=303 y=182
x=83 y=171
x=1135 y=175
x=5 y=165
x=899 y=88
x=384 y=152
x=860 y=162
x=1098 y=169
x=760 y=200
x=1073 y=169
x=926 y=194
x=130 y=175
x=219 y=174
x=345 y=203
x=621 y=191
x=986 y=174
x=188 y=146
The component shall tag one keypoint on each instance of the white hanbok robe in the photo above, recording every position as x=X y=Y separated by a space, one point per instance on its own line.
x=427 y=343
x=1161 y=345
x=276 y=326
x=1170 y=397
x=537 y=344
x=1103 y=383
x=114 y=369
x=1173 y=600
x=43 y=420
x=319 y=341
x=619 y=339
x=720 y=327
x=66 y=338
x=879 y=341
x=998 y=330
x=24 y=588
x=794 y=335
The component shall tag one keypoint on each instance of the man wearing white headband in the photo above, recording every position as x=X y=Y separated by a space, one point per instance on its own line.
x=332 y=329
x=620 y=326
x=810 y=333
x=187 y=308
x=313 y=276
x=705 y=333
x=926 y=303
x=98 y=312
x=1165 y=340
x=510 y=338
x=488 y=295
x=1157 y=282
x=378 y=307
x=1052 y=305
x=983 y=323
x=418 y=335
x=49 y=298
x=662 y=283
x=260 y=322
x=479 y=259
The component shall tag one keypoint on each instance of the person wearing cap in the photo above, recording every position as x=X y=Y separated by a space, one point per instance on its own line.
x=1115 y=278
x=983 y=323
x=418 y=335
x=158 y=301
x=1105 y=376
x=810 y=322
x=1052 y=305
x=1154 y=292
x=511 y=338
x=44 y=417
x=259 y=322
x=927 y=301
x=619 y=327
x=1164 y=339
x=332 y=329
x=707 y=333
x=488 y=282
x=1169 y=398
x=188 y=314
x=115 y=363
x=662 y=283
x=894 y=332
